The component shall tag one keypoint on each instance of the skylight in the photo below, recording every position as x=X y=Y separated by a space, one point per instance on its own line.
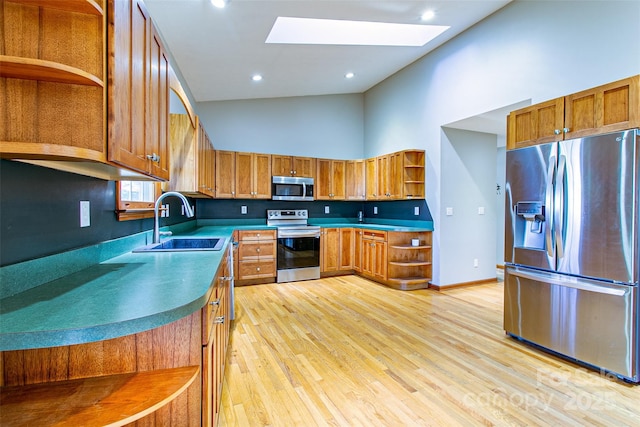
x=288 y=30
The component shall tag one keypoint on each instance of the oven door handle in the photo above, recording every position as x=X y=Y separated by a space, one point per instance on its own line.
x=298 y=233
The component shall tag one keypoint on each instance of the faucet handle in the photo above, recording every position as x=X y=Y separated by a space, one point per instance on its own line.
x=166 y=233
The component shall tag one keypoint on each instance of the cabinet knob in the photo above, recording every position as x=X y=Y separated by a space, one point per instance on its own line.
x=565 y=130
x=216 y=302
x=556 y=131
x=257 y=249
x=257 y=268
x=153 y=157
x=218 y=320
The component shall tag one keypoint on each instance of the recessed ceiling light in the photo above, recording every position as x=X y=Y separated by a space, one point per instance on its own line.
x=256 y=77
x=220 y=4
x=349 y=75
x=428 y=15
x=336 y=32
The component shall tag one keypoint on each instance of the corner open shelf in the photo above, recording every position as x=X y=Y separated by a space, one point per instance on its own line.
x=49 y=71
x=413 y=174
x=88 y=7
x=409 y=267
x=113 y=400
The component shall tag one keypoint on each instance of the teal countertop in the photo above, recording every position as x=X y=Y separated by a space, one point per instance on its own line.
x=75 y=299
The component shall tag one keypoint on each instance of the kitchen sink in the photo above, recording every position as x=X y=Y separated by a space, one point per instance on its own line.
x=184 y=244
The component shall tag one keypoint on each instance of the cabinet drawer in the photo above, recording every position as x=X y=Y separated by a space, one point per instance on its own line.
x=374 y=235
x=256 y=235
x=256 y=269
x=248 y=250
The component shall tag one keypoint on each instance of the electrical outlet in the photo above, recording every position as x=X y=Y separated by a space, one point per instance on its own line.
x=375 y=210
x=165 y=211
x=449 y=211
x=475 y=262
x=85 y=213
x=326 y=209
x=481 y=210
x=243 y=210
x=416 y=210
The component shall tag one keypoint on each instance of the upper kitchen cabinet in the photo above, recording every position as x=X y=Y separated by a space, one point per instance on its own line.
x=52 y=80
x=330 y=182
x=225 y=170
x=395 y=176
x=253 y=176
x=293 y=166
x=192 y=158
x=84 y=87
x=354 y=178
x=138 y=92
x=607 y=108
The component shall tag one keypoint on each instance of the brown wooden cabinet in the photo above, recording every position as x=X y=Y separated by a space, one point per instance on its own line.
x=216 y=329
x=225 y=172
x=253 y=176
x=293 y=166
x=409 y=266
x=355 y=180
x=138 y=93
x=374 y=254
x=607 y=108
x=347 y=248
x=357 y=250
x=330 y=181
x=396 y=176
x=330 y=250
x=192 y=158
x=68 y=109
x=53 y=81
x=256 y=254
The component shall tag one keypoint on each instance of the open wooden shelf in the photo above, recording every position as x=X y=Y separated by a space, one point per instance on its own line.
x=408 y=283
x=410 y=263
x=49 y=71
x=401 y=247
x=88 y=7
x=113 y=400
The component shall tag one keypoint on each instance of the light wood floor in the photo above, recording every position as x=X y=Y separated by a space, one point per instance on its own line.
x=345 y=351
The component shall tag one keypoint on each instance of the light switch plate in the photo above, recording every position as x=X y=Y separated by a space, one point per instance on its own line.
x=449 y=211
x=375 y=210
x=85 y=213
x=243 y=210
x=326 y=209
x=481 y=210
x=416 y=210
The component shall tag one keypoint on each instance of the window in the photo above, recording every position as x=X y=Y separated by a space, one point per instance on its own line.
x=136 y=199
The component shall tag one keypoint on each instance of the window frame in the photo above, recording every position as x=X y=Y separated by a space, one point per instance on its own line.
x=127 y=210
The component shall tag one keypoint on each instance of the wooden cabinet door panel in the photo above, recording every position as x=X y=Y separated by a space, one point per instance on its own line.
x=536 y=124
x=262 y=176
x=281 y=165
x=606 y=108
x=330 y=247
x=323 y=182
x=371 y=179
x=304 y=167
x=225 y=174
x=347 y=243
x=243 y=176
x=355 y=180
x=338 y=179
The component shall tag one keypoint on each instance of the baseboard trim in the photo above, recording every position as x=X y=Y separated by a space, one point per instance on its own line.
x=463 y=285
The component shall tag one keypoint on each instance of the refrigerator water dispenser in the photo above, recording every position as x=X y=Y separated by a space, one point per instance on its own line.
x=530 y=225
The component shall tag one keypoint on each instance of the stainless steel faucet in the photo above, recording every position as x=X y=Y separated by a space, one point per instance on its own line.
x=156 y=225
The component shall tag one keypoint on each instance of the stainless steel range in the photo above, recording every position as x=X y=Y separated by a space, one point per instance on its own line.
x=298 y=245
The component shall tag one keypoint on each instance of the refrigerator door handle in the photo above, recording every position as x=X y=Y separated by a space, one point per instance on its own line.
x=572 y=282
x=559 y=206
x=549 y=213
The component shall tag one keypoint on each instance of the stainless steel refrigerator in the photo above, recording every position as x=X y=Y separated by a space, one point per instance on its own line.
x=571 y=250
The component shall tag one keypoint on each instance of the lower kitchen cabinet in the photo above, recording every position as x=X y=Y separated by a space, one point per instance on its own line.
x=256 y=255
x=216 y=323
x=330 y=249
x=409 y=266
x=374 y=254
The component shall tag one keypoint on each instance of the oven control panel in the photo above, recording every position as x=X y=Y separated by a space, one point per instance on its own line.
x=287 y=214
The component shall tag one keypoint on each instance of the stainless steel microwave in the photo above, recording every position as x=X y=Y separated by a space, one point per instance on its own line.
x=291 y=188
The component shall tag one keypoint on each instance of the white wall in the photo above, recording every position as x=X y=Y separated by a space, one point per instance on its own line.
x=535 y=50
x=468 y=178
x=328 y=126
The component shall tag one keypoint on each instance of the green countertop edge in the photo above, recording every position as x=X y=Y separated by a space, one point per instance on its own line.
x=21 y=280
